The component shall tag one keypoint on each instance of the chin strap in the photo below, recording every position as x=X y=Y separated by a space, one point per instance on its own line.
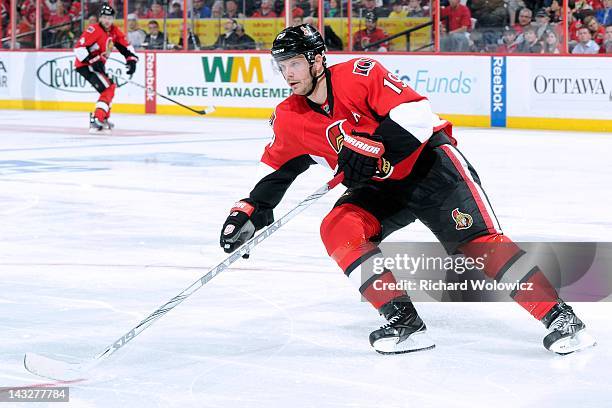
x=315 y=79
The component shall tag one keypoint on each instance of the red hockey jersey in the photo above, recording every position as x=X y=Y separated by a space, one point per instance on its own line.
x=361 y=93
x=97 y=42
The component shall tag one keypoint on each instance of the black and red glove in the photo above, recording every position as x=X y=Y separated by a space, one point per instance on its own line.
x=360 y=157
x=238 y=227
x=130 y=63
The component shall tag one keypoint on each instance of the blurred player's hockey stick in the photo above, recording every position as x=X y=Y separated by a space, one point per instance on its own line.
x=205 y=111
x=58 y=369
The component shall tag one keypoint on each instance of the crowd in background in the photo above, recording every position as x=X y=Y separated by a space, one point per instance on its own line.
x=505 y=26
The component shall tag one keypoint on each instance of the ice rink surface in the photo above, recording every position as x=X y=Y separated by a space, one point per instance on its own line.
x=96 y=232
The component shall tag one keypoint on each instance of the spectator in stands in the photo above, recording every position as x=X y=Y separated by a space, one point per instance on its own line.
x=231 y=10
x=155 y=40
x=604 y=15
x=458 y=23
x=513 y=7
x=606 y=47
x=245 y=41
x=216 y=11
x=585 y=45
x=265 y=10
x=92 y=19
x=334 y=9
x=175 y=10
x=530 y=44
x=542 y=22
x=488 y=13
x=295 y=12
x=229 y=39
x=333 y=42
x=201 y=10
x=598 y=32
x=156 y=11
x=58 y=33
x=550 y=42
x=140 y=9
x=370 y=34
x=524 y=21
x=193 y=41
x=509 y=41
x=414 y=9
x=555 y=12
x=398 y=10
x=136 y=35
x=369 y=6
x=25 y=25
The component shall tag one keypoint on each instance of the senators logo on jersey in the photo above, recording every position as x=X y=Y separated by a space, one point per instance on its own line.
x=462 y=220
x=363 y=66
x=335 y=135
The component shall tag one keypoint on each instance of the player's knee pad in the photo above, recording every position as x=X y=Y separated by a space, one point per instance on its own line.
x=346 y=233
x=496 y=252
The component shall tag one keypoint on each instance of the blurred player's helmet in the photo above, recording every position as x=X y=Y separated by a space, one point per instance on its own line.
x=371 y=17
x=299 y=40
x=107 y=10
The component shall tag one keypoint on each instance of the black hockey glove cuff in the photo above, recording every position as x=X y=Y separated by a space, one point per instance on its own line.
x=238 y=227
x=359 y=157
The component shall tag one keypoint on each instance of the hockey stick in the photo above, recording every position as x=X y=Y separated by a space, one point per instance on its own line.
x=205 y=111
x=58 y=369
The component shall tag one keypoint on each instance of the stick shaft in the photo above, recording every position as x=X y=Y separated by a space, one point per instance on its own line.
x=243 y=249
x=199 y=112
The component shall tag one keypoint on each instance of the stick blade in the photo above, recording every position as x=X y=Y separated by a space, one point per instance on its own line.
x=209 y=110
x=51 y=368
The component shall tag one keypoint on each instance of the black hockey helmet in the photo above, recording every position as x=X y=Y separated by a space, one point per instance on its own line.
x=303 y=40
x=371 y=16
x=107 y=10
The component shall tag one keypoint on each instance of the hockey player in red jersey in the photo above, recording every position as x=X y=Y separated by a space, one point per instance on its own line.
x=92 y=50
x=370 y=34
x=400 y=163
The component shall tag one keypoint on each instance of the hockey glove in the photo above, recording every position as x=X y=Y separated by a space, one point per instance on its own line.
x=238 y=227
x=130 y=63
x=359 y=157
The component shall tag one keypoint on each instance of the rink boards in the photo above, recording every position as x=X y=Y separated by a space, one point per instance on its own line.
x=569 y=93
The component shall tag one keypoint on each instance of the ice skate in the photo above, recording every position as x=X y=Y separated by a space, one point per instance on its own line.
x=405 y=332
x=567 y=332
x=95 y=125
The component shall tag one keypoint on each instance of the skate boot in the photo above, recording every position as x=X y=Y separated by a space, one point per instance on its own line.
x=405 y=331
x=108 y=125
x=567 y=332
x=95 y=125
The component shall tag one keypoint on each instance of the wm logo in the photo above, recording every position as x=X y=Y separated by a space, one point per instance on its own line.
x=231 y=69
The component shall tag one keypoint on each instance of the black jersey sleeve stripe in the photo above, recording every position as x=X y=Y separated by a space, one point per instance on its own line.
x=269 y=191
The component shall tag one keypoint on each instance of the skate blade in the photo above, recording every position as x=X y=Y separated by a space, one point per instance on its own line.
x=93 y=131
x=578 y=341
x=419 y=341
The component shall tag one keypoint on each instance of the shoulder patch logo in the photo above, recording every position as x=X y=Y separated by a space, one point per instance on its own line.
x=91 y=29
x=462 y=220
x=363 y=66
x=335 y=135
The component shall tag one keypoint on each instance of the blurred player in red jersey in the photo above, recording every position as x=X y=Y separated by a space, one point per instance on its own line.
x=370 y=34
x=400 y=164
x=92 y=50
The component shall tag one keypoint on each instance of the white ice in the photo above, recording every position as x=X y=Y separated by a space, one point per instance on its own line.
x=98 y=231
